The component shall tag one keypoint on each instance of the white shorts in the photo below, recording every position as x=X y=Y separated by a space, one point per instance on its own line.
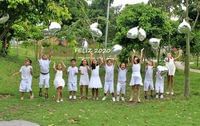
x=121 y=88
x=159 y=87
x=72 y=86
x=109 y=87
x=148 y=85
x=25 y=85
x=136 y=80
x=44 y=81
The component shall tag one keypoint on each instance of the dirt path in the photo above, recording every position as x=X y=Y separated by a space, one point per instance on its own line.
x=17 y=123
x=180 y=65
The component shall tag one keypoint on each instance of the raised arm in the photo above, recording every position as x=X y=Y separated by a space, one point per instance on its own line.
x=142 y=55
x=91 y=57
x=54 y=66
x=179 y=54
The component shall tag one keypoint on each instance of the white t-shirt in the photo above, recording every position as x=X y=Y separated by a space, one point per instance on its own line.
x=109 y=73
x=44 y=65
x=84 y=70
x=72 y=71
x=26 y=72
x=122 y=75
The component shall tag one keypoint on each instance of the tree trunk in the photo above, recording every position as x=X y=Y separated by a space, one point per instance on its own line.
x=187 y=59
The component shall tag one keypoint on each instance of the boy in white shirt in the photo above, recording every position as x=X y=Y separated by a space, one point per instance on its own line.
x=72 y=79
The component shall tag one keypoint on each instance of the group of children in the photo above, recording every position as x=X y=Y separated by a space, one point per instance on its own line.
x=94 y=82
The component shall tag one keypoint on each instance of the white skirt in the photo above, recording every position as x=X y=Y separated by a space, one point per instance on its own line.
x=25 y=85
x=84 y=80
x=171 y=69
x=95 y=82
x=136 y=80
x=59 y=82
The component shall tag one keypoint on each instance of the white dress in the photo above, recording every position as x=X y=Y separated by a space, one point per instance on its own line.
x=121 y=82
x=59 y=81
x=95 y=81
x=84 y=78
x=171 y=66
x=26 y=79
x=136 y=78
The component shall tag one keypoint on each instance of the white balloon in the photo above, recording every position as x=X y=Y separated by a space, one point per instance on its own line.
x=54 y=26
x=154 y=42
x=184 y=27
x=4 y=19
x=96 y=32
x=46 y=31
x=142 y=34
x=116 y=49
x=94 y=25
x=162 y=68
x=133 y=33
x=85 y=44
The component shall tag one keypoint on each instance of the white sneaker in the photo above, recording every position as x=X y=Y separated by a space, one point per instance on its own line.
x=161 y=96
x=113 y=99
x=157 y=96
x=104 y=98
x=131 y=99
x=122 y=98
x=22 y=98
x=57 y=101
x=97 y=98
x=167 y=93
x=117 y=98
x=70 y=97
x=74 y=97
x=172 y=93
x=32 y=96
x=61 y=100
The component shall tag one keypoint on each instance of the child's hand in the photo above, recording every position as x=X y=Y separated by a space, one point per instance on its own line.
x=133 y=51
x=142 y=50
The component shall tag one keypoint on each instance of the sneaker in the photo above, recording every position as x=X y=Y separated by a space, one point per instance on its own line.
x=157 y=96
x=113 y=99
x=61 y=100
x=104 y=98
x=122 y=98
x=172 y=93
x=138 y=101
x=97 y=98
x=70 y=97
x=74 y=97
x=167 y=93
x=161 y=96
x=131 y=99
x=57 y=101
x=22 y=98
x=117 y=98
x=32 y=96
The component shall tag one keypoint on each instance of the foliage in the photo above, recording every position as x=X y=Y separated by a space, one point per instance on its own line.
x=154 y=21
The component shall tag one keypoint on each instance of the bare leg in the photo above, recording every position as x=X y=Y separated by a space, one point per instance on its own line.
x=138 y=93
x=93 y=91
x=132 y=93
x=145 y=94
x=172 y=85
x=86 y=91
x=81 y=91
x=168 y=84
x=97 y=93
x=40 y=92
x=46 y=93
x=113 y=94
x=58 y=94
x=22 y=95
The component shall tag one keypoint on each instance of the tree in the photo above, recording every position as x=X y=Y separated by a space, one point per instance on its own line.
x=154 y=21
x=36 y=11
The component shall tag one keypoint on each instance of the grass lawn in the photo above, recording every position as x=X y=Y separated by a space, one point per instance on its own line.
x=172 y=111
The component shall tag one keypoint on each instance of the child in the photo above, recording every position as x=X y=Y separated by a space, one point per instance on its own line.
x=59 y=82
x=95 y=81
x=72 y=79
x=121 y=82
x=159 y=85
x=26 y=79
x=148 y=81
x=136 y=79
x=44 y=63
x=109 y=79
x=84 y=78
x=170 y=64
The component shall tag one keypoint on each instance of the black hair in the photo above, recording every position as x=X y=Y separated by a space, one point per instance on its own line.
x=73 y=60
x=138 y=59
x=122 y=63
x=82 y=62
x=29 y=60
x=93 y=66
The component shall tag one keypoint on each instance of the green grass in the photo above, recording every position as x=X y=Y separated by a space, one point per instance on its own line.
x=172 y=111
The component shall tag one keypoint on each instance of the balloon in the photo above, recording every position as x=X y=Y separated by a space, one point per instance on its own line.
x=116 y=49
x=133 y=33
x=162 y=68
x=142 y=34
x=4 y=19
x=46 y=31
x=85 y=44
x=54 y=26
x=184 y=27
x=95 y=31
x=154 y=42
